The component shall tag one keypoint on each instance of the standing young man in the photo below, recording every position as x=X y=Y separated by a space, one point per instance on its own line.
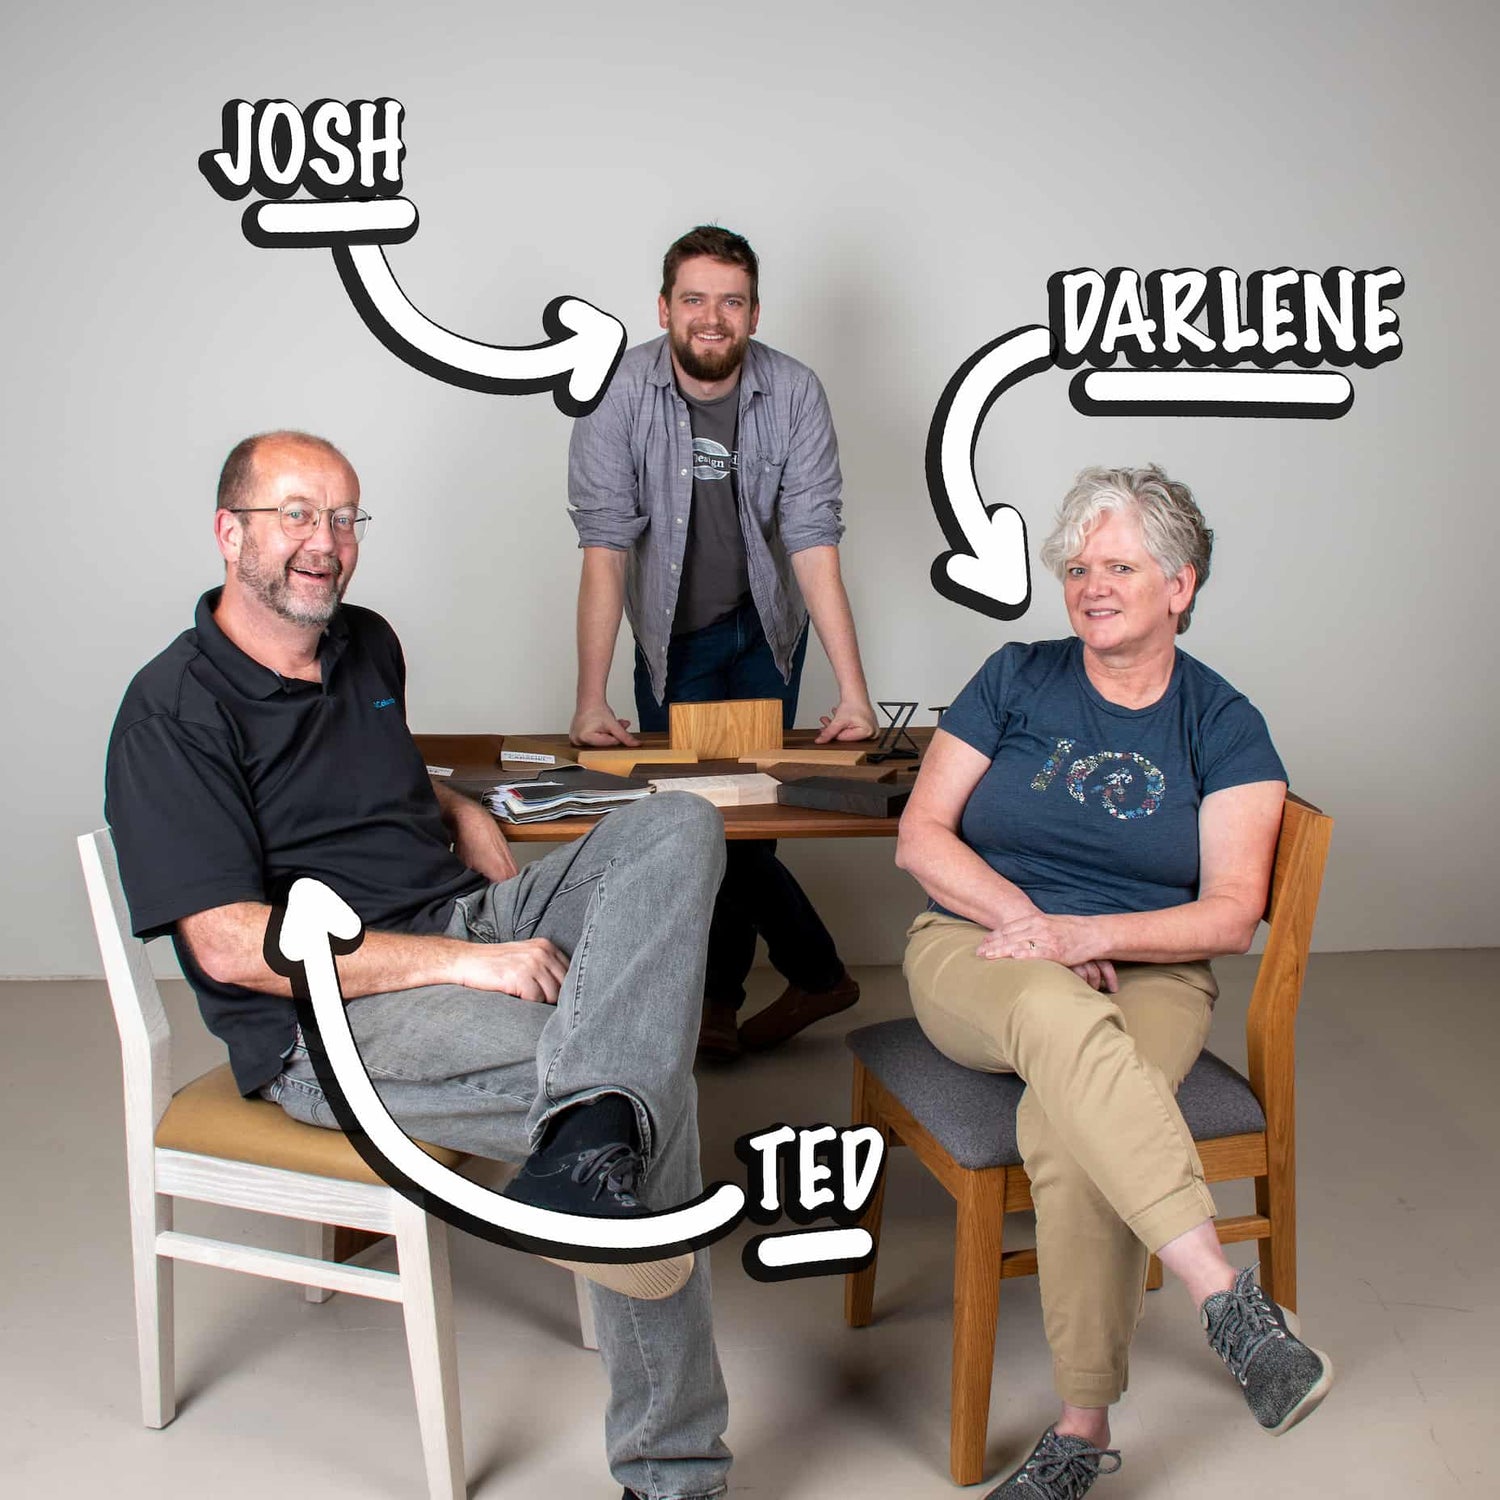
x=706 y=493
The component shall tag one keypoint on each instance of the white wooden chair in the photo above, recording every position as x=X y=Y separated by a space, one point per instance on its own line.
x=208 y=1143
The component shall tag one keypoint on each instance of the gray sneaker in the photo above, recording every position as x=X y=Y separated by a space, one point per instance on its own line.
x=1060 y=1468
x=1284 y=1379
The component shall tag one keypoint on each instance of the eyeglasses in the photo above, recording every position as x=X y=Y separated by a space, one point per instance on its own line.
x=299 y=520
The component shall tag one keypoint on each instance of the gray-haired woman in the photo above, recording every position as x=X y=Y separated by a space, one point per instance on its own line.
x=1095 y=820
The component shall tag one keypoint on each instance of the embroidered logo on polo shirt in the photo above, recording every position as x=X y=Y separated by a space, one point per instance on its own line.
x=385 y=703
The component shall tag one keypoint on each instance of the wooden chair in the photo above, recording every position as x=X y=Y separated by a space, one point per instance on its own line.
x=207 y=1143
x=961 y=1125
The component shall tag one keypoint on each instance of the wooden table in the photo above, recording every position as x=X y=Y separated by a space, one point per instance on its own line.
x=478 y=755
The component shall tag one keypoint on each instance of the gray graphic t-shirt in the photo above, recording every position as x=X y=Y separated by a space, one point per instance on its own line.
x=715 y=575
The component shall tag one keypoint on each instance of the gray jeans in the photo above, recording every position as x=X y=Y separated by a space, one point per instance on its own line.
x=483 y=1072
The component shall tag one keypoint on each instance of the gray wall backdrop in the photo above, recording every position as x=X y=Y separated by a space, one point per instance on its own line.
x=911 y=175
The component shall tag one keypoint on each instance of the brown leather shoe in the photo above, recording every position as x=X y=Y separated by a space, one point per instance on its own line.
x=794 y=1010
x=718 y=1032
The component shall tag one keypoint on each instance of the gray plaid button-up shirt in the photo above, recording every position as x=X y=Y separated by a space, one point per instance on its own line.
x=630 y=488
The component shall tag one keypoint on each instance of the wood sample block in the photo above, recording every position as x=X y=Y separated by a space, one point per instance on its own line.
x=827 y=756
x=754 y=789
x=460 y=749
x=792 y=770
x=717 y=730
x=652 y=769
x=621 y=759
x=846 y=795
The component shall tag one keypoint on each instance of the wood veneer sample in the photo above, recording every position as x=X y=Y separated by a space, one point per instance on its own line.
x=752 y=790
x=622 y=760
x=809 y=755
x=719 y=730
x=650 y=768
x=799 y=770
x=460 y=749
x=846 y=795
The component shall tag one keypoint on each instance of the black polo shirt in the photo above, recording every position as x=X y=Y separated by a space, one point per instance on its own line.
x=225 y=781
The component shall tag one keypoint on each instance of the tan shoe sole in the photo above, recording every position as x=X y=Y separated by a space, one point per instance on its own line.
x=646 y=1281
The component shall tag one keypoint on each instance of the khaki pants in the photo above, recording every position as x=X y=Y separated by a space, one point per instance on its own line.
x=1114 y=1172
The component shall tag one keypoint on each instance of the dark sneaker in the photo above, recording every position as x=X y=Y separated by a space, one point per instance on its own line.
x=599 y=1182
x=1061 y=1467
x=1284 y=1379
x=719 y=1032
x=795 y=1010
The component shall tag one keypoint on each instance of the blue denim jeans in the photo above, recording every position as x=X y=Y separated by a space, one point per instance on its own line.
x=726 y=660
x=482 y=1072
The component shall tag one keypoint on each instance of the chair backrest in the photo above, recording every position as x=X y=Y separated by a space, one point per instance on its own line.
x=145 y=1036
x=1292 y=908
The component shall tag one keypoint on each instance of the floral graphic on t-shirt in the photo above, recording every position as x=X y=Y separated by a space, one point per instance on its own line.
x=1116 y=785
x=1043 y=778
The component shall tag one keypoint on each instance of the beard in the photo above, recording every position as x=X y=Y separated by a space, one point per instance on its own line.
x=273 y=587
x=709 y=366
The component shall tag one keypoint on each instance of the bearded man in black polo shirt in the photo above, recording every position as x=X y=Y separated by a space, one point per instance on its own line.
x=270 y=741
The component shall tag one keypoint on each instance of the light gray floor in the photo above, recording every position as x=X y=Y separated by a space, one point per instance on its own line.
x=1399 y=1248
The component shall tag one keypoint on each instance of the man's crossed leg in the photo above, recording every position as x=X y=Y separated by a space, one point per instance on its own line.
x=498 y=1076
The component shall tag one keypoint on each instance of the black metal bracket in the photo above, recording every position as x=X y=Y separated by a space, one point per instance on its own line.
x=895 y=743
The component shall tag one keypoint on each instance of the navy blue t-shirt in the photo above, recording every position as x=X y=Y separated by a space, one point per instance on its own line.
x=1088 y=807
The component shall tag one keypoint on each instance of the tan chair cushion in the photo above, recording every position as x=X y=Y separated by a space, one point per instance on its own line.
x=208 y=1117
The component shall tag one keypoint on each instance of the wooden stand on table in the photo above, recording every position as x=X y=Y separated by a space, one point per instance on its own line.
x=726 y=730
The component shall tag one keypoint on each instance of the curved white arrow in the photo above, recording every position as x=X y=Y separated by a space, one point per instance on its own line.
x=575 y=361
x=314 y=916
x=987 y=568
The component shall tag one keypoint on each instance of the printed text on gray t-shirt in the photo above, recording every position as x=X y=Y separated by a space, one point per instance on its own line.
x=715 y=574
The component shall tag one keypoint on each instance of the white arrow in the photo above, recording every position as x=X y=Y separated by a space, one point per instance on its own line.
x=575 y=361
x=314 y=916
x=987 y=568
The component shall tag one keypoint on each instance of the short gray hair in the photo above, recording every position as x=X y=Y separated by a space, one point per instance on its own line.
x=1172 y=526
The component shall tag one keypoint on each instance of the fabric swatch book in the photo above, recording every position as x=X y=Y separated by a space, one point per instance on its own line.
x=564 y=791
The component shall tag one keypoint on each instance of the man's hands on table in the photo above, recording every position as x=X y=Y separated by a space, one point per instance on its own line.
x=853 y=719
x=598 y=724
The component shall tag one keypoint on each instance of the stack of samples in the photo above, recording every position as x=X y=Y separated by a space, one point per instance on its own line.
x=564 y=791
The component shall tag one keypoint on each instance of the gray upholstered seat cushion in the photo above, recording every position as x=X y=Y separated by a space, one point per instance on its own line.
x=973 y=1114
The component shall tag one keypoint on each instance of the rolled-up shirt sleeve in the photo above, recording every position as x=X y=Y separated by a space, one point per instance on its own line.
x=810 y=504
x=603 y=495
